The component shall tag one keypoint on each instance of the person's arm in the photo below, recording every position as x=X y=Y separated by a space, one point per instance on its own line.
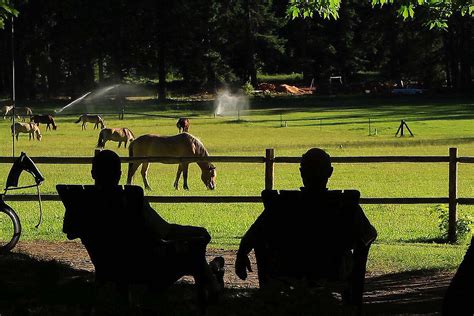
x=153 y=221
x=247 y=243
x=364 y=229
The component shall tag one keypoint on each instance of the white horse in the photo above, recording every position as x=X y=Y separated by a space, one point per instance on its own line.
x=6 y=109
x=29 y=128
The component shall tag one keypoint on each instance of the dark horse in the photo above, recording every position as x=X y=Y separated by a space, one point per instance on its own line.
x=183 y=125
x=45 y=119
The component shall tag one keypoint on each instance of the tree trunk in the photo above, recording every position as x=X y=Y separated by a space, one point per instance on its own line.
x=465 y=53
x=161 y=71
x=100 y=66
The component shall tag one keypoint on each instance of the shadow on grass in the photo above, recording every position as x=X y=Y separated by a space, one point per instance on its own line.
x=29 y=286
x=412 y=292
x=426 y=240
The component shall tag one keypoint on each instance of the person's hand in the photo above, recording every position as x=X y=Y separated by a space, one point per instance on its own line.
x=242 y=264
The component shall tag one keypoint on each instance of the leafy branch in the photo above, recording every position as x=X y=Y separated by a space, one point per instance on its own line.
x=439 y=10
x=6 y=11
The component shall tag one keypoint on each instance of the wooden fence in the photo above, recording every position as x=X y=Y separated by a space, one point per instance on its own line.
x=270 y=160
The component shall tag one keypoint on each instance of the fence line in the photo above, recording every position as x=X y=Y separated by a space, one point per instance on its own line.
x=270 y=160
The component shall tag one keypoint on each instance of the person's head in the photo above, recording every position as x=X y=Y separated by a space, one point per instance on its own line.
x=106 y=169
x=315 y=168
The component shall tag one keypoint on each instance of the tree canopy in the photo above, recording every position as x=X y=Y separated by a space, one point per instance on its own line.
x=439 y=10
x=6 y=10
x=69 y=47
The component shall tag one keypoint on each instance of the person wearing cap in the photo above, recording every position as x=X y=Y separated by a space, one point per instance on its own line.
x=314 y=227
x=106 y=172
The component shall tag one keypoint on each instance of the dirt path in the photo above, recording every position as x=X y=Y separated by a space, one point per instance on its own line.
x=400 y=293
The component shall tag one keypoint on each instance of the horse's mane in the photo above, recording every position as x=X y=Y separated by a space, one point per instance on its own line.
x=199 y=148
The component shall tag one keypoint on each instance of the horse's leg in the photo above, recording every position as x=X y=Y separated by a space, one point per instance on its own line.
x=144 y=174
x=132 y=168
x=120 y=143
x=178 y=175
x=125 y=143
x=84 y=125
x=185 y=176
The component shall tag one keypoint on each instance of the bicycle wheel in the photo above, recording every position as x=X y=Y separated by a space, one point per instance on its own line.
x=10 y=228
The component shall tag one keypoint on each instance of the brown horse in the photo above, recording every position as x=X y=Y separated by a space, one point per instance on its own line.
x=86 y=118
x=115 y=134
x=183 y=125
x=29 y=128
x=45 y=119
x=181 y=145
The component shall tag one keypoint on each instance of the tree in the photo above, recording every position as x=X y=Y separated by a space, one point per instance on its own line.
x=6 y=10
x=440 y=10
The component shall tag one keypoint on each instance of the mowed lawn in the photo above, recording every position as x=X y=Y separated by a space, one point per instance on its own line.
x=407 y=233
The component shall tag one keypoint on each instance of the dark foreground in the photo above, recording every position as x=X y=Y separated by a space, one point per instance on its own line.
x=45 y=278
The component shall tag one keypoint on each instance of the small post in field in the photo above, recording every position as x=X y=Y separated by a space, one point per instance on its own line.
x=269 y=168
x=453 y=192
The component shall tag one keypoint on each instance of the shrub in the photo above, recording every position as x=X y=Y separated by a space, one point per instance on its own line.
x=464 y=222
x=247 y=88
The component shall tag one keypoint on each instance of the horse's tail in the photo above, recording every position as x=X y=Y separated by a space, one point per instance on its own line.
x=130 y=164
x=101 y=121
x=80 y=118
x=129 y=134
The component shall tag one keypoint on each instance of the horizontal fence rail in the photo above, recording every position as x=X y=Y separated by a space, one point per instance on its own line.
x=270 y=160
x=244 y=199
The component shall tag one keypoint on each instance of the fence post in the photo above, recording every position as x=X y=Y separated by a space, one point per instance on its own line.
x=453 y=192
x=269 y=168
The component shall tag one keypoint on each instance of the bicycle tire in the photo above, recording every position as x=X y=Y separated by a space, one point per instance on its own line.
x=4 y=208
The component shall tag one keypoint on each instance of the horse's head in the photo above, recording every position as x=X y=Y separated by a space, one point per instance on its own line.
x=209 y=176
x=38 y=135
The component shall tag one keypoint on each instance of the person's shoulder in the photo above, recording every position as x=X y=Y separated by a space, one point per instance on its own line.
x=351 y=196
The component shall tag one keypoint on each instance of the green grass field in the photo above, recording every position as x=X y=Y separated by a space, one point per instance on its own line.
x=338 y=125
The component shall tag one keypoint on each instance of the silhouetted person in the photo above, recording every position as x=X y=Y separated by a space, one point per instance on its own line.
x=308 y=232
x=106 y=171
x=459 y=298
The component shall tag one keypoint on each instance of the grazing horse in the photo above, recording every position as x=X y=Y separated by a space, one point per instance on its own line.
x=6 y=109
x=24 y=112
x=115 y=134
x=183 y=124
x=181 y=145
x=96 y=119
x=29 y=128
x=45 y=119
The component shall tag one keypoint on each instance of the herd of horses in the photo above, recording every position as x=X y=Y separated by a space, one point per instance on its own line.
x=149 y=145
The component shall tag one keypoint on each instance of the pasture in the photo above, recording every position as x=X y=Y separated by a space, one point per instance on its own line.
x=408 y=234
